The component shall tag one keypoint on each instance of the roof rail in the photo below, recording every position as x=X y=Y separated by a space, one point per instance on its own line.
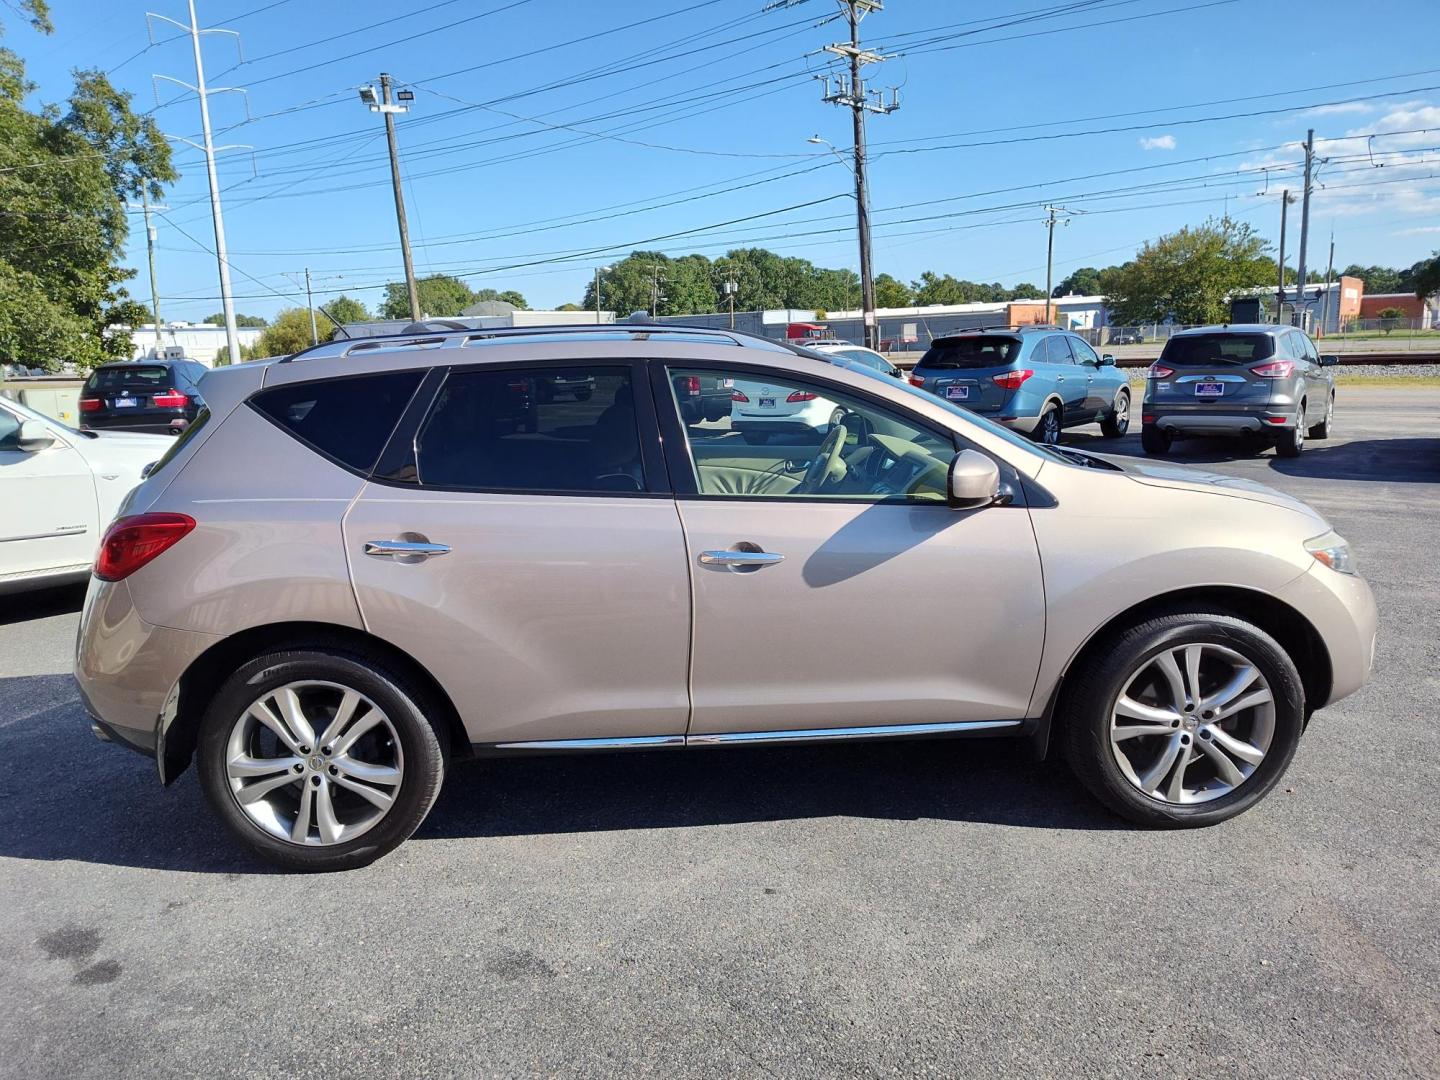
x=437 y=335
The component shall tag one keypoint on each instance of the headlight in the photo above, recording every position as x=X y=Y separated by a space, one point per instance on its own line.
x=1332 y=550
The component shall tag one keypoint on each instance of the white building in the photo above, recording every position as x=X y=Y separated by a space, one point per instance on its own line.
x=200 y=341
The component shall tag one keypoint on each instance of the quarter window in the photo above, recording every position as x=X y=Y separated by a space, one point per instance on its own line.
x=785 y=438
x=546 y=430
x=348 y=419
x=9 y=430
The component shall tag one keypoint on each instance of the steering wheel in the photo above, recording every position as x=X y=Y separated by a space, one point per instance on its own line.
x=827 y=467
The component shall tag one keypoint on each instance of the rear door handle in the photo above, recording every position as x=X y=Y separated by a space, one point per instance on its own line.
x=414 y=549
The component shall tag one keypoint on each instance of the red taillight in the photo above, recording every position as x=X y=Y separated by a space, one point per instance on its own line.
x=169 y=399
x=800 y=395
x=690 y=384
x=1277 y=420
x=1276 y=369
x=738 y=395
x=131 y=542
x=917 y=380
x=1160 y=371
x=1147 y=419
x=90 y=404
x=517 y=386
x=1011 y=380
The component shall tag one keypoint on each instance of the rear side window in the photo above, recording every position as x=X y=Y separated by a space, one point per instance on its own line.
x=547 y=430
x=130 y=377
x=349 y=420
x=971 y=351
x=1198 y=350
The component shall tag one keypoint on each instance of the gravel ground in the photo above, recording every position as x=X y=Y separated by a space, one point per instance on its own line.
x=940 y=909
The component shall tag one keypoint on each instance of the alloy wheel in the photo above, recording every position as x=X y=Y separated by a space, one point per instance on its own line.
x=1050 y=428
x=1122 y=413
x=314 y=763
x=1192 y=723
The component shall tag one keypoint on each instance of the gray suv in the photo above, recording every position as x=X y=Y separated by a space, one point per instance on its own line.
x=1265 y=383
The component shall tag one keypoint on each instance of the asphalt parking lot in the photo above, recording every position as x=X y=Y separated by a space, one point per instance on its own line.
x=942 y=909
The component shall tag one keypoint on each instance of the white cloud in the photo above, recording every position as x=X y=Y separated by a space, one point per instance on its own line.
x=1341 y=109
x=1420 y=230
x=1160 y=142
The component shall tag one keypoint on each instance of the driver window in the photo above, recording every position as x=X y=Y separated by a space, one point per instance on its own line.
x=796 y=439
x=9 y=430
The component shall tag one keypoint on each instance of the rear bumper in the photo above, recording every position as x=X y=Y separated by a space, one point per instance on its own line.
x=1185 y=419
x=128 y=670
x=153 y=423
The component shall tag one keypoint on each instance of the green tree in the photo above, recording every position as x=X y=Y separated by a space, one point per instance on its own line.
x=569 y=307
x=64 y=176
x=1082 y=282
x=1026 y=291
x=346 y=309
x=1425 y=275
x=441 y=297
x=1187 y=276
x=509 y=296
x=1378 y=279
x=933 y=288
x=890 y=293
x=627 y=286
x=290 y=332
x=249 y=321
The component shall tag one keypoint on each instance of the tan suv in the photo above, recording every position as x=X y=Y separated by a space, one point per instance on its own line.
x=373 y=557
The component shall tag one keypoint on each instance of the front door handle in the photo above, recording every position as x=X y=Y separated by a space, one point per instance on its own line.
x=741 y=558
x=408 y=549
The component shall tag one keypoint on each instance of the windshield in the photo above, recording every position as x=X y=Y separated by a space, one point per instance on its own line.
x=971 y=351
x=863 y=356
x=1200 y=350
x=129 y=377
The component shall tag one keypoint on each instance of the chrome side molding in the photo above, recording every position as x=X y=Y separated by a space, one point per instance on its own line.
x=730 y=738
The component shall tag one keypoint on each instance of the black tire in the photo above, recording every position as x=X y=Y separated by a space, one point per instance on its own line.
x=1154 y=441
x=424 y=743
x=755 y=438
x=1322 y=429
x=1048 y=427
x=1116 y=422
x=1085 y=709
x=1290 y=442
x=583 y=395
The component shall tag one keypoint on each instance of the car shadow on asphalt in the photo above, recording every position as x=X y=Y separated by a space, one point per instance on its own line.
x=63 y=795
x=41 y=604
x=1385 y=461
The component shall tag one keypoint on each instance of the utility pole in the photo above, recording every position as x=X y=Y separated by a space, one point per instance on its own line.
x=388 y=103
x=310 y=303
x=1329 y=270
x=1285 y=201
x=598 y=271
x=1050 y=256
x=145 y=208
x=207 y=145
x=655 y=296
x=731 y=288
x=850 y=91
x=1305 y=219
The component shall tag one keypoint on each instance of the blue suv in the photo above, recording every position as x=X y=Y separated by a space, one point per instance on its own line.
x=1037 y=380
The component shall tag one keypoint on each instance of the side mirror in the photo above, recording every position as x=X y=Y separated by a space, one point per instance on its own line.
x=1106 y=360
x=974 y=481
x=1329 y=360
x=34 y=436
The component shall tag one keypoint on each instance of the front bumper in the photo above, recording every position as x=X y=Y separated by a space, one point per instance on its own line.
x=1342 y=610
x=128 y=670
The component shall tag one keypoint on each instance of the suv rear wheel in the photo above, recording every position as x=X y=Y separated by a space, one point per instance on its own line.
x=1155 y=442
x=1047 y=428
x=318 y=759
x=1291 y=441
x=1116 y=422
x=1186 y=719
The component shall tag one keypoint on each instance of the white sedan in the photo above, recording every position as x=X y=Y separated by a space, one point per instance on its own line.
x=59 y=488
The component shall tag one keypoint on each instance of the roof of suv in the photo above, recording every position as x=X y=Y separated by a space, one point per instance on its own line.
x=1235 y=328
x=468 y=337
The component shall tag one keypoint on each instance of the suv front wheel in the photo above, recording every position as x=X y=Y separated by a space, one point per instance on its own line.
x=320 y=759
x=1186 y=719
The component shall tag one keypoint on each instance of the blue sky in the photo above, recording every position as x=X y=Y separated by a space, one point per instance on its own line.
x=548 y=137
